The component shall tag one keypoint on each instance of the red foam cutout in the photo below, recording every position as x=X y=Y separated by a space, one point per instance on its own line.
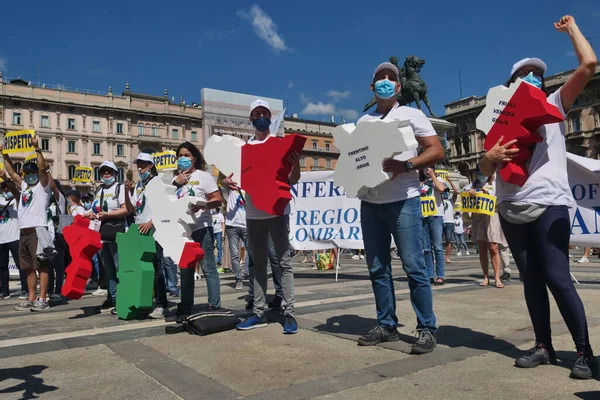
x=191 y=254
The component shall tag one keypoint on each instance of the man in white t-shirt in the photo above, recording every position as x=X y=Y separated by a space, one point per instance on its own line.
x=394 y=209
x=9 y=234
x=33 y=222
x=260 y=225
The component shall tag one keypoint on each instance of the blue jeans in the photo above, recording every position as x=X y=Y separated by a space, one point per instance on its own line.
x=236 y=236
x=169 y=270
x=432 y=240
x=206 y=238
x=275 y=270
x=219 y=241
x=460 y=241
x=402 y=220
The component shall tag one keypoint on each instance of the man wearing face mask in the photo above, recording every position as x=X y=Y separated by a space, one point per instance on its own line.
x=32 y=216
x=394 y=209
x=260 y=225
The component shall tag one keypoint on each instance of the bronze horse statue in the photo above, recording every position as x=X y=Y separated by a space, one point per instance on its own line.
x=413 y=88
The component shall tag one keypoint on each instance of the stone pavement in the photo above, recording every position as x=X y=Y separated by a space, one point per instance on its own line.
x=70 y=352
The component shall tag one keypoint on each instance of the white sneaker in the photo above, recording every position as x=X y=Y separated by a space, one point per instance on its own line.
x=355 y=257
x=157 y=313
x=361 y=257
x=459 y=254
x=99 y=292
x=23 y=296
x=196 y=276
x=583 y=260
x=570 y=255
x=468 y=253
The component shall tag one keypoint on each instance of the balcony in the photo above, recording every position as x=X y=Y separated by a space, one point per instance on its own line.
x=149 y=138
x=321 y=149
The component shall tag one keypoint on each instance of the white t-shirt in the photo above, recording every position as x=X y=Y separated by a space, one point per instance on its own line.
x=9 y=222
x=218 y=221
x=489 y=188
x=33 y=206
x=404 y=186
x=143 y=213
x=236 y=209
x=448 y=212
x=458 y=226
x=76 y=210
x=251 y=211
x=200 y=185
x=428 y=189
x=110 y=202
x=548 y=183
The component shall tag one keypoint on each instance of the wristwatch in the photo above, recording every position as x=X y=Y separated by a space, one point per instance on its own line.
x=409 y=166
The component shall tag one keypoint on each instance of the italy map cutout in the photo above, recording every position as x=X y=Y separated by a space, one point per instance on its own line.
x=261 y=169
x=364 y=147
x=171 y=218
x=516 y=112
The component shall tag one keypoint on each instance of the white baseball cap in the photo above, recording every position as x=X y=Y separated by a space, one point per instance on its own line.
x=534 y=62
x=259 y=103
x=108 y=164
x=386 y=65
x=144 y=157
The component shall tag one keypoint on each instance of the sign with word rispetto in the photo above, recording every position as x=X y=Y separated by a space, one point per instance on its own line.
x=165 y=161
x=18 y=142
x=32 y=158
x=481 y=203
x=83 y=174
x=428 y=206
x=364 y=147
x=442 y=173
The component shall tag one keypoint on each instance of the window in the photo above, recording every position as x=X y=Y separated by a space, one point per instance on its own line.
x=576 y=123
x=303 y=162
x=314 y=143
x=140 y=130
x=175 y=134
x=71 y=123
x=326 y=146
x=119 y=127
x=96 y=149
x=71 y=171
x=315 y=162
x=328 y=164
x=71 y=146
x=120 y=150
x=154 y=131
x=45 y=144
x=194 y=136
x=16 y=118
x=120 y=174
x=96 y=126
x=45 y=121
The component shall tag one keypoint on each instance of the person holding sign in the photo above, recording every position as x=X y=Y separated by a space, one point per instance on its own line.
x=485 y=228
x=33 y=225
x=535 y=216
x=393 y=209
x=432 y=189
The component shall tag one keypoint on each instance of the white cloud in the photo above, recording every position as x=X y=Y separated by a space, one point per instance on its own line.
x=264 y=27
x=3 y=64
x=304 y=98
x=328 y=109
x=337 y=96
x=290 y=84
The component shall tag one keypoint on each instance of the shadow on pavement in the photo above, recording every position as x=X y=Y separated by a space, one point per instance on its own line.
x=595 y=395
x=347 y=324
x=31 y=385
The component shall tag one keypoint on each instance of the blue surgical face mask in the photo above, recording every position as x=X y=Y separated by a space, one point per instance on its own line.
x=108 y=181
x=145 y=175
x=533 y=80
x=262 y=123
x=32 y=179
x=385 y=89
x=8 y=195
x=482 y=178
x=87 y=205
x=184 y=163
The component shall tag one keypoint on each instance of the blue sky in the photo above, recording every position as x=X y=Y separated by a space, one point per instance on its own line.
x=319 y=55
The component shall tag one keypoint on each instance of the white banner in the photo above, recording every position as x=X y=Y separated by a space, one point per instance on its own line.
x=584 y=179
x=321 y=216
x=13 y=271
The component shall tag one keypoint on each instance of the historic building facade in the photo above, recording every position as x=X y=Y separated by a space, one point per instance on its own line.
x=81 y=128
x=582 y=123
x=319 y=152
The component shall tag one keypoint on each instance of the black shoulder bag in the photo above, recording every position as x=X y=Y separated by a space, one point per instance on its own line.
x=111 y=226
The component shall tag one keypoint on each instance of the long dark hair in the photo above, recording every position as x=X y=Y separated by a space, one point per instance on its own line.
x=514 y=78
x=200 y=162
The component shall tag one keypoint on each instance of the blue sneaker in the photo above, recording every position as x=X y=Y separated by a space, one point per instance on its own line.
x=290 y=325
x=253 y=322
